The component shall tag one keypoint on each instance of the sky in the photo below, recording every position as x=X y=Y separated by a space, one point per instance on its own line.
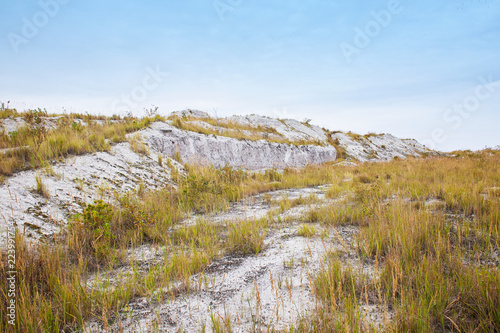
x=428 y=70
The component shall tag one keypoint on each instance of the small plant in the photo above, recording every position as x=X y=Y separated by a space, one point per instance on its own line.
x=160 y=159
x=40 y=187
x=177 y=122
x=364 y=179
x=305 y=230
x=77 y=126
x=97 y=218
x=79 y=183
x=246 y=237
x=96 y=221
x=289 y=263
x=6 y=112
x=151 y=112
x=341 y=153
x=137 y=145
x=313 y=215
x=177 y=156
x=355 y=136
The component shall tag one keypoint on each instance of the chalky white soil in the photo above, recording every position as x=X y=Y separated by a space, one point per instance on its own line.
x=270 y=290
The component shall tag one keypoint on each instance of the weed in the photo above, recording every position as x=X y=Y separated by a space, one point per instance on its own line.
x=94 y=226
x=246 y=237
x=305 y=230
x=41 y=188
x=364 y=179
x=6 y=112
x=137 y=145
x=177 y=157
x=273 y=175
x=341 y=153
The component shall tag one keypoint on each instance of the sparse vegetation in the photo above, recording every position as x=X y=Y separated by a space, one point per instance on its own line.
x=435 y=275
x=137 y=145
x=40 y=187
x=54 y=298
x=235 y=130
x=247 y=237
x=355 y=136
x=341 y=153
x=428 y=229
x=305 y=230
x=35 y=144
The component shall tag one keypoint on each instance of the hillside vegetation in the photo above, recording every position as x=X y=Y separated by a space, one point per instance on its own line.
x=429 y=229
x=41 y=139
x=34 y=139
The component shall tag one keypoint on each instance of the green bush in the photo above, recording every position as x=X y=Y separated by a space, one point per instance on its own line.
x=97 y=218
x=95 y=230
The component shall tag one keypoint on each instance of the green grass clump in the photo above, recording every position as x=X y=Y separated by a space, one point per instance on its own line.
x=246 y=237
x=305 y=230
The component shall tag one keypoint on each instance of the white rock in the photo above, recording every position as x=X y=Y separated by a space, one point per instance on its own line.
x=377 y=148
x=219 y=150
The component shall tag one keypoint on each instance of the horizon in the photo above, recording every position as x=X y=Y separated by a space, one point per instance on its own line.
x=422 y=70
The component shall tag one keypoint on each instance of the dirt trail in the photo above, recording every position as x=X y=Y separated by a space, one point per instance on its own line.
x=271 y=290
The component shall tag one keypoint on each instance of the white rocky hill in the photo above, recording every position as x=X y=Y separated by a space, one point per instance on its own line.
x=253 y=143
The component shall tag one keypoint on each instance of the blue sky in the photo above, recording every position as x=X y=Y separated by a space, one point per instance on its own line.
x=414 y=65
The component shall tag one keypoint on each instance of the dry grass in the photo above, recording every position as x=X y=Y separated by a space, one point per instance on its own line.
x=435 y=261
x=341 y=153
x=235 y=130
x=247 y=236
x=40 y=187
x=305 y=230
x=137 y=145
x=55 y=297
x=34 y=145
x=438 y=264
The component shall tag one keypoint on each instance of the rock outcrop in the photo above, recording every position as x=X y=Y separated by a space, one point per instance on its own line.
x=79 y=180
x=253 y=143
x=220 y=150
x=378 y=147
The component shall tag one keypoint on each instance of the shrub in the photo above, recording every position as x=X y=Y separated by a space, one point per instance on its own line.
x=364 y=179
x=92 y=230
